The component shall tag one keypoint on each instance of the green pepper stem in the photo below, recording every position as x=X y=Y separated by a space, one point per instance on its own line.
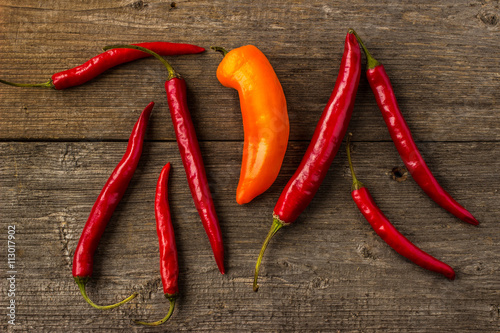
x=356 y=184
x=171 y=72
x=47 y=84
x=371 y=62
x=159 y=322
x=219 y=49
x=81 y=281
x=277 y=225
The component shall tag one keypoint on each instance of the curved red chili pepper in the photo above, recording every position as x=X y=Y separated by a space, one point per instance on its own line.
x=192 y=160
x=90 y=69
x=105 y=205
x=324 y=145
x=403 y=140
x=193 y=164
x=169 y=267
x=388 y=232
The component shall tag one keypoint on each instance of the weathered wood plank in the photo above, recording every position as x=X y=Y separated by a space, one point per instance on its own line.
x=442 y=59
x=327 y=272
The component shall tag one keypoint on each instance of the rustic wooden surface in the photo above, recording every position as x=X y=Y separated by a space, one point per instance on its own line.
x=328 y=272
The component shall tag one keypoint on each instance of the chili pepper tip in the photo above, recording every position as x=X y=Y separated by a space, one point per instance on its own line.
x=471 y=219
x=220 y=265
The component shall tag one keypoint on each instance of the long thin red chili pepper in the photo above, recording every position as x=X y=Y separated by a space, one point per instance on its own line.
x=403 y=140
x=189 y=148
x=169 y=267
x=388 y=232
x=103 y=208
x=80 y=74
x=324 y=145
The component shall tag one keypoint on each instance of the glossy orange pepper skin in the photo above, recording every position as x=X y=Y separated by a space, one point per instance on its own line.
x=265 y=118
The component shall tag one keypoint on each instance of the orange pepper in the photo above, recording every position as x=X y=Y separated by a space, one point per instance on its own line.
x=265 y=118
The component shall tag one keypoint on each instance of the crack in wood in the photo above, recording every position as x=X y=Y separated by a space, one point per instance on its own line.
x=139 y=5
x=365 y=252
x=64 y=237
x=151 y=286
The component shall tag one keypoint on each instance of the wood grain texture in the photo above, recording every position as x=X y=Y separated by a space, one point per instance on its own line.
x=329 y=272
x=442 y=59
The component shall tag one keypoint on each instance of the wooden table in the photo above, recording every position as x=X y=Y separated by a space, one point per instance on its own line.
x=328 y=272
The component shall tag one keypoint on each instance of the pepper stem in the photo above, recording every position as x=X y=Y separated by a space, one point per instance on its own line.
x=371 y=62
x=356 y=184
x=47 y=84
x=219 y=49
x=159 y=322
x=171 y=72
x=277 y=225
x=81 y=281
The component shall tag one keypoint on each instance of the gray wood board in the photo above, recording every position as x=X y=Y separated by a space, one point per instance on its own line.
x=329 y=271
x=443 y=61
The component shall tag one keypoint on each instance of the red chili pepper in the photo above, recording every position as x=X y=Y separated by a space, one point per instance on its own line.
x=189 y=148
x=104 y=207
x=169 y=267
x=388 y=232
x=402 y=138
x=98 y=64
x=324 y=145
